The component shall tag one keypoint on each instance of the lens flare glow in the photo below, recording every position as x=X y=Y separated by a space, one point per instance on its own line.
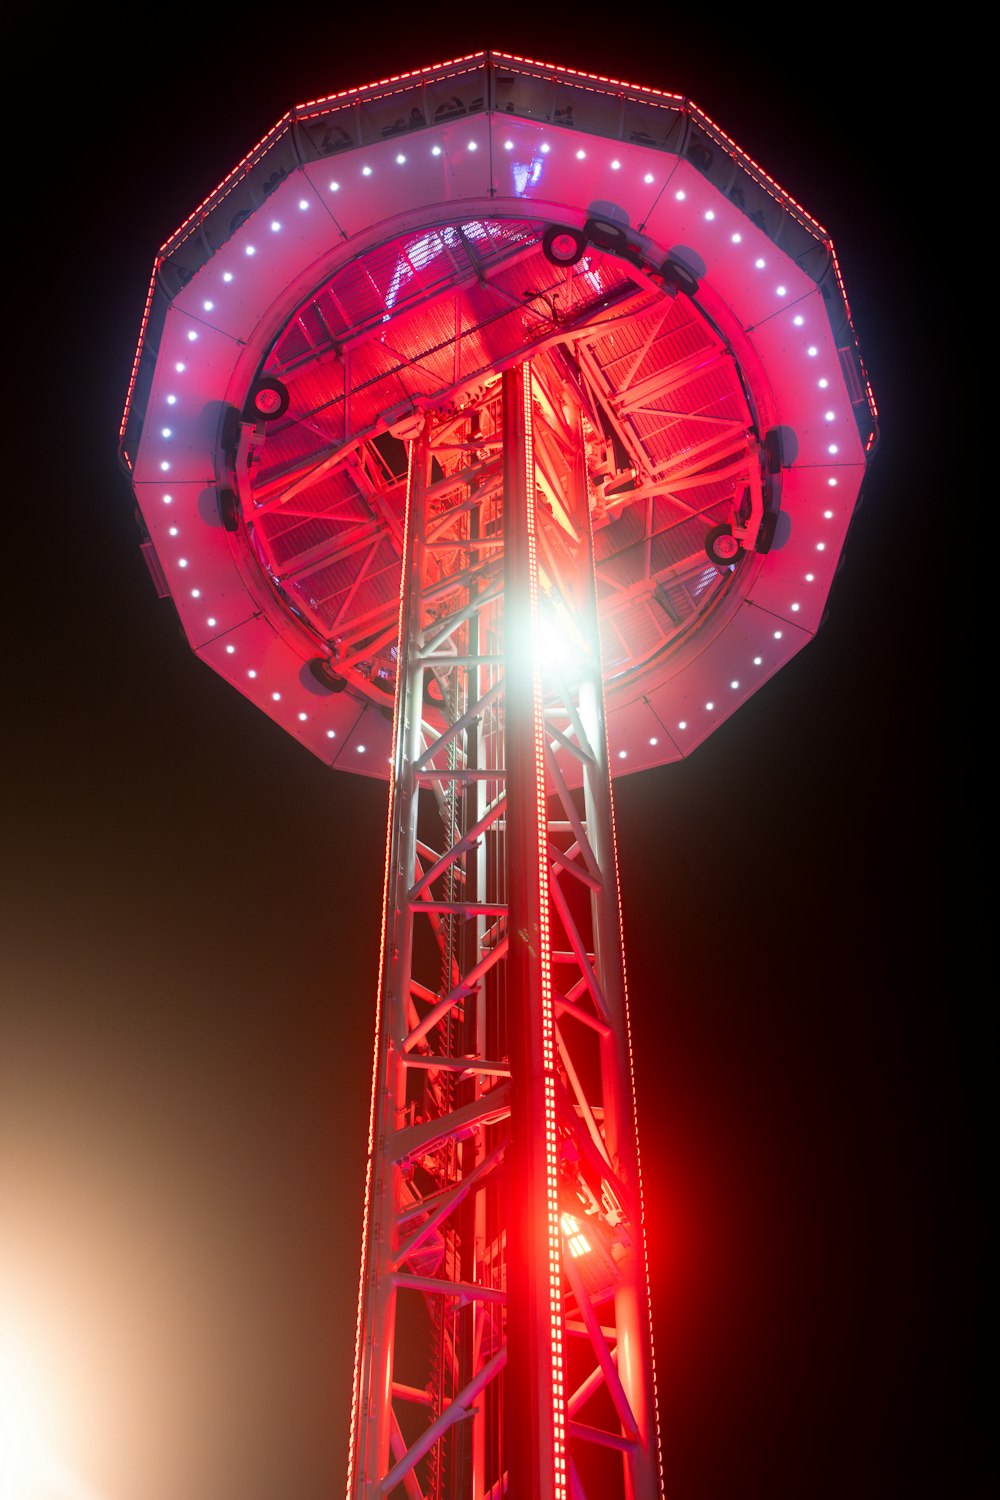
x=30 y=1468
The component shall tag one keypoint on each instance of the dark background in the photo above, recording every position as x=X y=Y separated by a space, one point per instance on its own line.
x=190 y=902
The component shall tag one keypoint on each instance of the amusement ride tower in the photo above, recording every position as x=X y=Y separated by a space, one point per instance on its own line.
x=497 y=428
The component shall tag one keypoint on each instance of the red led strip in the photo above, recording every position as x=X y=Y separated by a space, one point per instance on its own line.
x=554 y=1228
x=639 y=88
x=138 y=356
x=382 y=83
x=225 y=187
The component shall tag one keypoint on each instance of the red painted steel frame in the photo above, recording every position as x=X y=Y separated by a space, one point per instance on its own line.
x=504 y=1342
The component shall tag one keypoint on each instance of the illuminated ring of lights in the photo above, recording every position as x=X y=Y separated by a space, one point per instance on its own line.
x=768 y=287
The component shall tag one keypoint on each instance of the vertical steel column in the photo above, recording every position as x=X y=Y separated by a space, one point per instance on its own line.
x=632 y=1317
x=371 y=1415
x=536 y=1436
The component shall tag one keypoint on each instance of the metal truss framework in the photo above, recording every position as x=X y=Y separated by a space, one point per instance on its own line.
x=504 y=1342
x=668 y=431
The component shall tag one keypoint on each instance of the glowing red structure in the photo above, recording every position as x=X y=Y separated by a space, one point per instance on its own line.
x=495 y=428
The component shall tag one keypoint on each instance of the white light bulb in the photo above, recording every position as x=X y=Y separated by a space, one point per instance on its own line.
x=680 y=195
x=653 y=740
x=823 y=383
x=212 y=622
x=303 y=718
x=208 y=306
x=164 y=466
x=734 y=685
x=648 y=177
x=182 y=562
x=366 y=171
x=331 y=734
x=616 y=165
x=760 y=264
x=196 y=593
x=230 y=650
x=682 y=724
x=798 y=320
x=276 y=697
x=180 y=368
x=758 y=661
x=334 y=187
x=303 y=202
x=710 y=213
x=227 y=275
x=171 y=400
x=173 y=531
x=622 y=754
x=737 y=239
x=400 y=159
x=473 y=145
x=436 y=150
x=251 y=250
x=710 y=706
x=580 y=155
x=251 y=673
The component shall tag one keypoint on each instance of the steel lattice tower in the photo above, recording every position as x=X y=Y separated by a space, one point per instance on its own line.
x=518 y=411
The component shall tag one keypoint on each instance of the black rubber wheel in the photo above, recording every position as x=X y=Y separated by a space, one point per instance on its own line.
x=772 y=450
x=322 y=669
x=229 y=509
x=608 y=235
x=268 y=400
x=563 y=246
x=229 y=434
x=679 y=277
x=765 y=535
x=722 y=547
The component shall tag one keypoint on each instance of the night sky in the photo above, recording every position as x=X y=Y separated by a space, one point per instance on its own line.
x=190 y=901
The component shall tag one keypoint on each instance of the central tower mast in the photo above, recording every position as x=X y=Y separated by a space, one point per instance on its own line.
x=503 y=1333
